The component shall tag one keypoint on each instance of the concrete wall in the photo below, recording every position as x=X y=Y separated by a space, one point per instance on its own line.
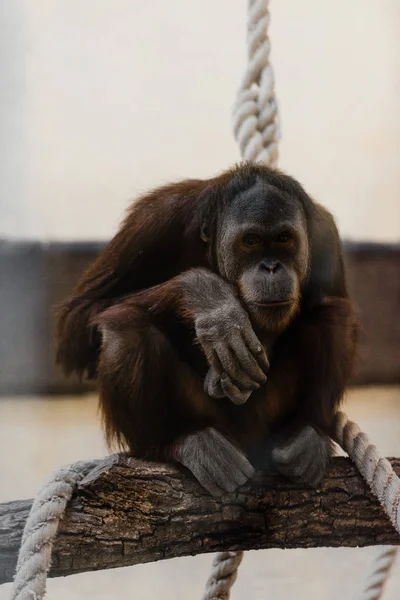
x=102 y=99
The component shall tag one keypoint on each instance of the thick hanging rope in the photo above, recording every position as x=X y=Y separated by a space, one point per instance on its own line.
x=376 y=582
x=255 y=117
x=223 y=575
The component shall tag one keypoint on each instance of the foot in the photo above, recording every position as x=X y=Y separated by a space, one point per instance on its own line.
x=218 y=465
x=302 y=457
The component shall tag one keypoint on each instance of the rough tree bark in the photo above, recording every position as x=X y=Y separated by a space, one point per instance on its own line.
x=128 y=512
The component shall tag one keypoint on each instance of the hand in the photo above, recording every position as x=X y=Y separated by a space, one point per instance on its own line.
x=236 y=356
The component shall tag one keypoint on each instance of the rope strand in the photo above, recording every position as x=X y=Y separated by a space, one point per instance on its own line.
x=223 y=575
x=48 y=508
x=377 y=580
x=255 y=115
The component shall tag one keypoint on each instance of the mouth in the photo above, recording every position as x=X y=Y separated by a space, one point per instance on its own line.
x=276 y=304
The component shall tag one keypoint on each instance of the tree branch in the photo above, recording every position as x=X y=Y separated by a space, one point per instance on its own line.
x=127 y=512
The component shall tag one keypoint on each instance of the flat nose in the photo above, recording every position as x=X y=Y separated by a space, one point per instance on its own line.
x=270 y=265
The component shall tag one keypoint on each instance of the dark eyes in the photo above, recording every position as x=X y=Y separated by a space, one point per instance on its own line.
x=251 y=239
x=283 y=238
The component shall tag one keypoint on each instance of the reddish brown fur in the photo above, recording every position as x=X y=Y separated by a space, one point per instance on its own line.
x=150 y=372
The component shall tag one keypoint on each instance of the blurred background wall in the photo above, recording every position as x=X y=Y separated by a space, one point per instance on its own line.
x=101 y=100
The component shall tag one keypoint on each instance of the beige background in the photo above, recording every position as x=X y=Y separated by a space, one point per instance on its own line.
x=102 y=99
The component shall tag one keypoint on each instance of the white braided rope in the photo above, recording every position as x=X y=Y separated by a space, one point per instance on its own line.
x=34 y=558
x=383 y=564
x=223 y=575
x=376 y=470
x=255 y=115
x=384 y=483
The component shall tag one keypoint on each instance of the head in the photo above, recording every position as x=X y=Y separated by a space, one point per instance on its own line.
x=275 y=244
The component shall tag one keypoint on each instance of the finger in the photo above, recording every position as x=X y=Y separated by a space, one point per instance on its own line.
x=243 y=381
x=232 y=391
x=247 y=362
x=212 y=359
x=207 y=481
x=212 y=384
x=226 y=359
x=256 y=348
x=228 y=483
x=223 y=477
x=312 y=470
x=244 y=470
x=217 y=471
x=231 y=365
x=226 y=471
x=295 y=469
x=305 y=458
x=233 y=455
x=238 y=390
x=304 y=469
x=222 y=467
x=290 y=455
x=318 y=465
x=316 y=474
x=296 y=445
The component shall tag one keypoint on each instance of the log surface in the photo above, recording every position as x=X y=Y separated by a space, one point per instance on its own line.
x=127 y=512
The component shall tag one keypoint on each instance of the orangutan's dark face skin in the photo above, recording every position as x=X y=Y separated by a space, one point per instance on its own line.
x=263 y=248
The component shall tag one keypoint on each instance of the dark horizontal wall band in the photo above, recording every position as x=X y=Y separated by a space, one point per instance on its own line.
x=35 y=277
